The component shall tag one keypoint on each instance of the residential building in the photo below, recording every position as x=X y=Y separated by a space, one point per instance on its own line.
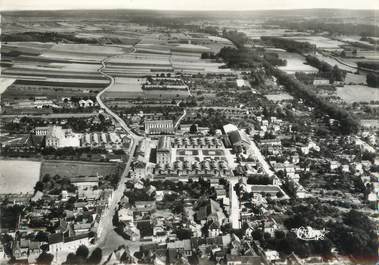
x=159 y=127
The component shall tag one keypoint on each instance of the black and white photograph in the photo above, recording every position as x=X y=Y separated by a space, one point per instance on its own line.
x=189 y=132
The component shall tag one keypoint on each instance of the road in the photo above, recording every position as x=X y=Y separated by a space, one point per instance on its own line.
x=235 y=214
x=50 y=116
x=261 y=159
x=105 y=230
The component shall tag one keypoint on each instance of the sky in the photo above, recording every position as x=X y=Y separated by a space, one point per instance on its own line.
x=186 y=4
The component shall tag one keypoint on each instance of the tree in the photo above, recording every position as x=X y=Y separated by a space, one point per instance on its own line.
x=72 y=259
x=45 y=258
x=95 y=256
x=82 y=251
x=38 y=186
x=184 y=234
x=372 y=80
x=193 y=128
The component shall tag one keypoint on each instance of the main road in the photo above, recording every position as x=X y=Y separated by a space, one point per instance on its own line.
x=105 y=229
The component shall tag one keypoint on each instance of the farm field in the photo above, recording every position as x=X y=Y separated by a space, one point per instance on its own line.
x=333 y=62
x=86 y=49
x=124 y=84
x=74 y=169
x=295 y=63
x=5 y=83
x=357 y=93
x=256 y=32
x=355 y=79
x=18 y=176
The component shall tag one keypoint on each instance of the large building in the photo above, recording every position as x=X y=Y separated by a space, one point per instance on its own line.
x=159 y=127
x=57 y=137
x=163 y=151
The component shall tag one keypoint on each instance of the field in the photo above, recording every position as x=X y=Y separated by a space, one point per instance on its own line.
x=279 y=97
x=126 y=84
x=74 y=169
x=18 y=176
x=5 y=83
x=333 y=62
x=355 y=79
x=358 y=93
x=295 y=63
x=319 y=41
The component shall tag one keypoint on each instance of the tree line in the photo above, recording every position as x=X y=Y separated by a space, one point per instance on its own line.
x=333 y=73
x=289 y=44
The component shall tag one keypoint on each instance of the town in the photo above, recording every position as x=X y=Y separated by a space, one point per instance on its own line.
x=140 y=137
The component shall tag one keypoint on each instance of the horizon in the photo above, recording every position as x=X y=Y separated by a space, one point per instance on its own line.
x=186 y=5
x=191 y=10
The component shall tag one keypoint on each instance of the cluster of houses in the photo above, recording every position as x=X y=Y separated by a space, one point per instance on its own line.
x=71 y=221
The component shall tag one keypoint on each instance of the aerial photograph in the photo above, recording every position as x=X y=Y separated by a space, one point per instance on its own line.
x=189 y=132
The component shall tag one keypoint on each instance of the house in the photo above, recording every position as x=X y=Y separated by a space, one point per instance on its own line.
x=272 y=255
x=320 y=82
x=82 y=228
x=132 y=232
x=333 y=165
x=270 y=226
x=125 y=215
x=181 y=246
x=214 y=229
x=85 y=103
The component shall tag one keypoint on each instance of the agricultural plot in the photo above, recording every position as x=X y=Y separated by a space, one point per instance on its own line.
x=5 y=83
x=26 y=47
x=355 y=79
x=357 y=93
x=333 y=62
x=295 y=63
x=76 y=168
x=18 y=176
x=128 y=85
x=86 y=49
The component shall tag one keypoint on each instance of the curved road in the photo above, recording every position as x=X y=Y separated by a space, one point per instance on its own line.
x=105 y=229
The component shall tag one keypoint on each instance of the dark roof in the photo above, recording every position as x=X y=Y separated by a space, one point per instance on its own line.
x=235 y=137
x=55 y=238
